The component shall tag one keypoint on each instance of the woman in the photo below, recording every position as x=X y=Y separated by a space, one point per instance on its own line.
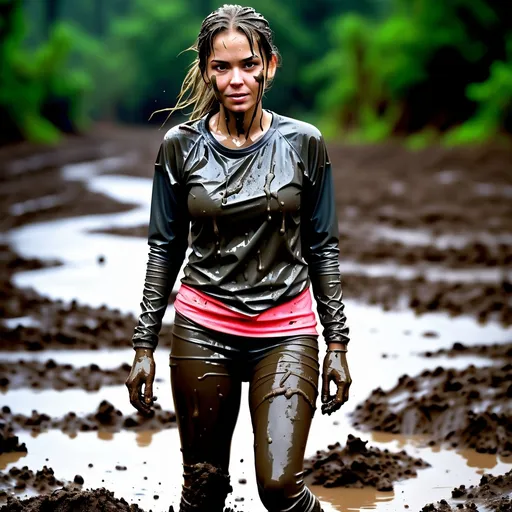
x=253 y=189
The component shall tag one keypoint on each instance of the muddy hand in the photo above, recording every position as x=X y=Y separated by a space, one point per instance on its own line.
x=142 y=374
x=336 y=370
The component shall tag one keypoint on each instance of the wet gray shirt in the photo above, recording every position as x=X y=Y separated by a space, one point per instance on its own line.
x=261 y=220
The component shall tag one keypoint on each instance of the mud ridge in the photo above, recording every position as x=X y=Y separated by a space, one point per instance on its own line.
x=356 y=465
x=486 y=301
x=470 y=408
x=22 y=479
x=474 y=254
x=105 y=418
x=493 y=351
x=50 y=375
x=493 y=492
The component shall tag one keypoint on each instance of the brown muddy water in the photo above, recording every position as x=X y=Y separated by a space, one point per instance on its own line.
x=145 y=467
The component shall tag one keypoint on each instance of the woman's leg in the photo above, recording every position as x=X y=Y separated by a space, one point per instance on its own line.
x=282 y=396
x=206 y=391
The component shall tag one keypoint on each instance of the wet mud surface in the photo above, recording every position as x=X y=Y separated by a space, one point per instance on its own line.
x=462 y=196
x=442 y=189
x=356 y=465
x=493 y=492
x=106 y=418
x=470 y=408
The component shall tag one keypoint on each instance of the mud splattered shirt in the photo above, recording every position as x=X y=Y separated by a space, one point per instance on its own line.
x=261 y=220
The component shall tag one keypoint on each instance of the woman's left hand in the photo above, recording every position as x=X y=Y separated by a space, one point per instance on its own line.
x=335 y=369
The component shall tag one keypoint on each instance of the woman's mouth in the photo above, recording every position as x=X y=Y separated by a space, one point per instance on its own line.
x=238 y=97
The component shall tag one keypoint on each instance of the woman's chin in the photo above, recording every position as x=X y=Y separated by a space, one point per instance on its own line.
x=239 y=108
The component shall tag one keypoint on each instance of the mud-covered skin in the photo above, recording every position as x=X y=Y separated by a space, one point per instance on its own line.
x=207 y=371
x=262 y=223
x=142 y=374
x=335 y=369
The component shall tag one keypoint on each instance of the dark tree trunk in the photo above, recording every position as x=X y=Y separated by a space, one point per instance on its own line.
x=52 y=11
x=99 y=17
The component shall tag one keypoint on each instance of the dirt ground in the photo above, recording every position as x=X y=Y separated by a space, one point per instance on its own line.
x=458 y=200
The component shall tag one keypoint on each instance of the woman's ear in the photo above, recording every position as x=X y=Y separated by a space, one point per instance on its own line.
x=272 y=67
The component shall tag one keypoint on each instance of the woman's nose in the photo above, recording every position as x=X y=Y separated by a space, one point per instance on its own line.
x=236 y=77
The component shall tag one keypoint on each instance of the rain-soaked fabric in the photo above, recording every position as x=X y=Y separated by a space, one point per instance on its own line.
x=291 y=318
x=261 y=220
x=207 y=371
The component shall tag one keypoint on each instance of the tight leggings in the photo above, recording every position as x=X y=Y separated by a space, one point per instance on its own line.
x=207 y=371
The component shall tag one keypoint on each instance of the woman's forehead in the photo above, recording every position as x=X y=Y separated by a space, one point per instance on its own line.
x=232 y=44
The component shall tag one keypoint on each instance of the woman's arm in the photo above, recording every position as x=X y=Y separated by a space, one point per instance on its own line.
x=168 y=240
x=321 y=244
x=321 y=250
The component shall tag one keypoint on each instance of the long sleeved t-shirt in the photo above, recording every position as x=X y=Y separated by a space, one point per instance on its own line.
x=261 y=220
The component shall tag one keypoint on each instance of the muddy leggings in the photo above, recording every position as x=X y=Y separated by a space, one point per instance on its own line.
x=207 y=370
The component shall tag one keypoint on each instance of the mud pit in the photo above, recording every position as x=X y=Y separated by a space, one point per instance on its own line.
x=448 y=210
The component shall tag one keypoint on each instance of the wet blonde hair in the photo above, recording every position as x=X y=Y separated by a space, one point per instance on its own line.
x=195 y=91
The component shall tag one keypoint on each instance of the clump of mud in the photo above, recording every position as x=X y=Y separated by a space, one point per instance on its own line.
x=493 y=492
x=69 y=499
x=492 y=351
x=8 y=441
x=486 y=301
x=21 y=479
x=355 y=465
x=469 y=408
x=106 y=418
x=50 y=375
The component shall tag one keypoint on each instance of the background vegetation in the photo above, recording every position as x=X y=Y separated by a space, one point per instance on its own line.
x=365 y=70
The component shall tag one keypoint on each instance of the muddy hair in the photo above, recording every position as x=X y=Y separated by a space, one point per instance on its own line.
x=195 y=91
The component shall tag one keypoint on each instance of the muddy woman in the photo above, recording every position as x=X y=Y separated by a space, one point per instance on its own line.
x=253 y=191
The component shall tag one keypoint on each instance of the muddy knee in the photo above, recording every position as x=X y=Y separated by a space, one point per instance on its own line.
x=205 y=488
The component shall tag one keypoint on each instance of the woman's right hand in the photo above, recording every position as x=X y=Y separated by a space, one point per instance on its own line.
x=142 y=374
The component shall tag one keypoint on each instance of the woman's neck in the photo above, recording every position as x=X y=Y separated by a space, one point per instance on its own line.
x=239 y=129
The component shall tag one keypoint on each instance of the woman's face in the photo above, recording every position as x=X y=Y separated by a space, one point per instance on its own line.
x=235 y=68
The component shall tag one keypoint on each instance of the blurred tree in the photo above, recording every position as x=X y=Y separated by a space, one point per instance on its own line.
x=52 y=10
x=39 y=95
x=410 y=72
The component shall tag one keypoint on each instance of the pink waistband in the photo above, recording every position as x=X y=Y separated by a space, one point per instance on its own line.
x=291 y=318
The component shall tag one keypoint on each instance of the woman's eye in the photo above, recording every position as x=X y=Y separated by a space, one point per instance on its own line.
x=249 y=65
x=218 y=67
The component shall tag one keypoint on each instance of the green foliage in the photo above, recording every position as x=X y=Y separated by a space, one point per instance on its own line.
x=30 y=80
x=411 y=72
x=494 y=100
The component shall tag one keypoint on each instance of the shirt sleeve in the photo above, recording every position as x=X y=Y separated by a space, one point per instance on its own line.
x=168 y=241
x=321 y=242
